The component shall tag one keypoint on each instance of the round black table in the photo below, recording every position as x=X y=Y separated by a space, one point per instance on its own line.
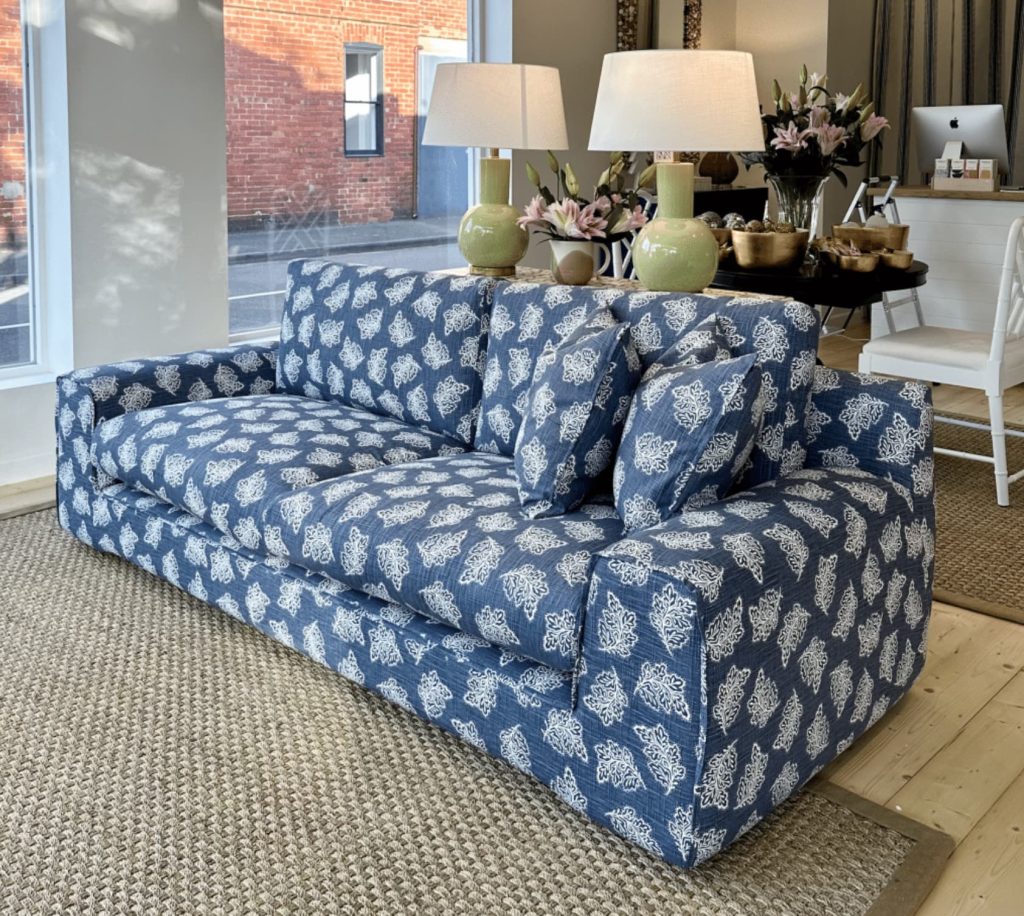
x=821 y=283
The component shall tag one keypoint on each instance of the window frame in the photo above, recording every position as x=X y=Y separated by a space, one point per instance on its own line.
x=377 y=56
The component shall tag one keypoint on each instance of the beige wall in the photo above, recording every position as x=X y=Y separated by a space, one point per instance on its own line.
x=146 y=273
x=540 y=30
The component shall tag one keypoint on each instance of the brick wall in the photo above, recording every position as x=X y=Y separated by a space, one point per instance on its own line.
x=284 y=63
x=285 y=104
x=12 y=123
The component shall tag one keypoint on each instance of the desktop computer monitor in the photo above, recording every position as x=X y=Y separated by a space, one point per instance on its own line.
x=981 y=129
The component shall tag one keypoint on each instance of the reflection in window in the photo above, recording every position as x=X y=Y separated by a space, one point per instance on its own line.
x=17 y=317
x=325 y=116
x=364 y=114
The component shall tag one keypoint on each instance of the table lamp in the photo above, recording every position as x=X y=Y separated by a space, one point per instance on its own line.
x=496 y=106
x=671 y=101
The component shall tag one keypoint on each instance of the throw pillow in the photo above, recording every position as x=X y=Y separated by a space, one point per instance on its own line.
x=689 y=433
x=575 y=411
x=704 y=343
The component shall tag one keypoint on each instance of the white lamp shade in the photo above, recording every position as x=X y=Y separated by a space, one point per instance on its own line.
x=508 y=106
x=677 y=100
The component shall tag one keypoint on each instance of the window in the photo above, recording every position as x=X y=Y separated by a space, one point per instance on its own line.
x=297 y=105
x=18 y=325
x=364 y=107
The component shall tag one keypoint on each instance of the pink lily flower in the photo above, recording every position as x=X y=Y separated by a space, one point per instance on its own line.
x=872 y=127
x=818 y=116
x=629 y=220
x=791 y=139
x=533 y=213
x=591 y=224
x=830 y=138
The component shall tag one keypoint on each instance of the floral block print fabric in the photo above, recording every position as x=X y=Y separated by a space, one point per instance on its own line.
x=727 y=655
x=781 y=333
x=689 y=433
x=227 y=460
x=577 y=406
x=394 y=342
x=706 y=343
x=446 y=537
x=874 y=424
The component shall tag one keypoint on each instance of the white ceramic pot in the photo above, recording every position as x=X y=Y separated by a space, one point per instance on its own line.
x=575 y=262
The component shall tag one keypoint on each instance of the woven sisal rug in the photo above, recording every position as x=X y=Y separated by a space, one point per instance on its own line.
x=979 y=546
x=156 y=756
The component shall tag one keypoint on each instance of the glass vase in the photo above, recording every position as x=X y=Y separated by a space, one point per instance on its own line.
x=799 y=199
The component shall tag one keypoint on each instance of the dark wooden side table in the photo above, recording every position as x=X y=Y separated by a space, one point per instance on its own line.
x=823 y=285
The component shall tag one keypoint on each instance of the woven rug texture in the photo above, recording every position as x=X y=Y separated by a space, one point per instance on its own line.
x=157 y=756
x=979 y=549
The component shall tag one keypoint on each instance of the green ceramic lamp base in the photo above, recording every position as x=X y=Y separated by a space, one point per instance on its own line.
x=489 y=237
x=674 y=252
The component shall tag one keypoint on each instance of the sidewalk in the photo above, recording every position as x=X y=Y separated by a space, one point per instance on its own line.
x=248 y=246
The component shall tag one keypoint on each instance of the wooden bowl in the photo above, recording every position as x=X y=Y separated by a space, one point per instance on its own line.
x=722 y=236
x=858 y=263
x=896 y=260
x=868 y=238
x=759 y=250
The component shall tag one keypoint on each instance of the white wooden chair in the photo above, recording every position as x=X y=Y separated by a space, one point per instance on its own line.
x=986 y=362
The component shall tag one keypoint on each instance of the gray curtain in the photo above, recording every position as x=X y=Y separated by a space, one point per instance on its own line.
x=945 y=52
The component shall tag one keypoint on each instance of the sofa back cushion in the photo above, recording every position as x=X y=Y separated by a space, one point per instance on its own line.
x=782 y=334
x=395 y=342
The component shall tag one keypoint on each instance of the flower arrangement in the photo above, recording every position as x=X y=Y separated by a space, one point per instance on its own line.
x=814 y=131
x=564 y=214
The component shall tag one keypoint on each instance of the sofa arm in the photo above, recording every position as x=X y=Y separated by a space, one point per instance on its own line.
x=879 y=425
x=730 y=653
x=88 y=397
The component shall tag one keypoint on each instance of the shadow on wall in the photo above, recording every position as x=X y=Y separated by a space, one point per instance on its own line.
x=148 y=209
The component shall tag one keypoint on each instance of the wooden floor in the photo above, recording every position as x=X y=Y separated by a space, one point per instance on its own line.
x=951 y=754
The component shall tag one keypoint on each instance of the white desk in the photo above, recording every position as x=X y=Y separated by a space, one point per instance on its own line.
x=961 y=236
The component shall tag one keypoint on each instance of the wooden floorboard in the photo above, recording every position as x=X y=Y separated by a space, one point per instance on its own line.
x=951 y=755
x=985 y=875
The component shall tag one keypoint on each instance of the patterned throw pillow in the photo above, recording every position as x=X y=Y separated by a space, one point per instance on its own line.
x=688 y=436
x=575 y=411
x=705 y=343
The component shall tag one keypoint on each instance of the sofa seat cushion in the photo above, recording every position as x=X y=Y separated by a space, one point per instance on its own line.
x=226 y=460
x=395 y=342
x=446 y=537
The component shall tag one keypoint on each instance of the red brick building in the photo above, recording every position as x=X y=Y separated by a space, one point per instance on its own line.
x=285 y=63
x=12 y=123
x=286 y=79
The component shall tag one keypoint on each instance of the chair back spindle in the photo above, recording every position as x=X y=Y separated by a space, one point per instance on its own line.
x=1009 y=323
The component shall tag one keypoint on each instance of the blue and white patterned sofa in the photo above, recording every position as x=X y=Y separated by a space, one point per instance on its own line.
x=350 y=492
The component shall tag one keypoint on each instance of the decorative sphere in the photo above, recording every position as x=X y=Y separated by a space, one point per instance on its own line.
x=713 y=220
x=675 y=255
